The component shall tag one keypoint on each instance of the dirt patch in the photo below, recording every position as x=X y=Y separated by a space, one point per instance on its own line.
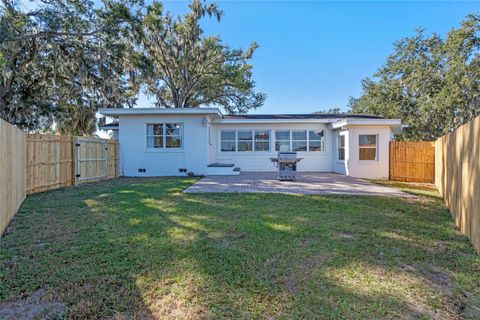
x=176 y=302
x=233 y=235
x=229 y=238
x=311 y=241
x=308 y=265
x=466 y=306
x=471 y=308
x=289 y=283
x=421 y=311
x=454 y=306
x=421 y=186
x=438 y=278
x=407 y=267
x=294 y=281
x=36 y=306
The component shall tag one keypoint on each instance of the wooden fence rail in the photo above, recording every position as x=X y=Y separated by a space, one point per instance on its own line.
x=457 y=177
x=31 y=163
x=412 y=161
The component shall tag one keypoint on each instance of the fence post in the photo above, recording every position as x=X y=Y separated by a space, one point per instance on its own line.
x=75 y=166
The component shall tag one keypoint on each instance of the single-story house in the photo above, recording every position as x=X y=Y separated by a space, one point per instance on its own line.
x=203 y=141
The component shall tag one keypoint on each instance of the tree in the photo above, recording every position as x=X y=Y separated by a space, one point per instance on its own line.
x=334 y=110
x=182 y=68
x=431 y=83
x=62 y=60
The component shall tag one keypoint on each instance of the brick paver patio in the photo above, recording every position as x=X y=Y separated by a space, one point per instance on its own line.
x=306 y=183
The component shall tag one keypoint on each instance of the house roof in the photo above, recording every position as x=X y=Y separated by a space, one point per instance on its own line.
x=109 y=126
x=115 y=112
x=305 y=116
x=338 y=120
x=362 y=122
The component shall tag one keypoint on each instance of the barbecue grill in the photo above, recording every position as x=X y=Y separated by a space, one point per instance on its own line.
x=286 y=162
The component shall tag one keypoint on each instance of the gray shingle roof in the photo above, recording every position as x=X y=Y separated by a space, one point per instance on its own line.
x=302 y=116
x=111 y=124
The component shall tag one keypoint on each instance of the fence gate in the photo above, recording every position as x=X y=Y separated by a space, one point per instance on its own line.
x=92 y=159
x=412 y=161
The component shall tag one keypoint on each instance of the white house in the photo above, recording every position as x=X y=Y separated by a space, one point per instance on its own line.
x=203 y=141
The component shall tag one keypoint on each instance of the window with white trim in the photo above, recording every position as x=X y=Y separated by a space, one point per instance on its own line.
x=316 y=141
x=164 y=135
x=228 y=141
x=367 y=147
x=282 y=140
x=341 y=148
x=173 y=135
x=244 y=140
x=155 y=135
x=262 y=140
x=300 y=140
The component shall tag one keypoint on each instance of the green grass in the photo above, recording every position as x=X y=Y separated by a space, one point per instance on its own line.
x=419 y=189
x=140 y=248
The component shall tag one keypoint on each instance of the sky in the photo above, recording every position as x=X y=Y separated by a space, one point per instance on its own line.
x=314 y=54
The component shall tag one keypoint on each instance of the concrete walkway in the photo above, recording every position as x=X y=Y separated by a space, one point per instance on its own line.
x=306 y=183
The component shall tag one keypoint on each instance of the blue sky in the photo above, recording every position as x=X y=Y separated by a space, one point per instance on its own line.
x=313 y=54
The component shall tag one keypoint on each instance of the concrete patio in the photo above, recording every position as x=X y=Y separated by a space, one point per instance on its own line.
x=306 y=183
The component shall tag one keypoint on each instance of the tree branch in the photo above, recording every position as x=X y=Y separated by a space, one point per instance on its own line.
x=55 y=34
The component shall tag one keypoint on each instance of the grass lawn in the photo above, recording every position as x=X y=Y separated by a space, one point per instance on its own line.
x=140 y=248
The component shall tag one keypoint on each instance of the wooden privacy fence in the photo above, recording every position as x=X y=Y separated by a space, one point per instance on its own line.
x=31 y=163
x=412 y=161
x=55 y=161
x=457 y=177
x=95 y=159
x=49 y=162
x=12 y=172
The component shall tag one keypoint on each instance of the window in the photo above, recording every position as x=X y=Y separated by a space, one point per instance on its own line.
x=367 y=146
x=262 y=140
x=282 y=140
x=245 y=141
x=341 y=147
x=173 y=135
x=228 y=141
x=164 y=135
x=316 y=141
x=155 y=136
x=299 y=140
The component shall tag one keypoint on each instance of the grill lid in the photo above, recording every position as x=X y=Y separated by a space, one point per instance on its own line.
x=287 y=155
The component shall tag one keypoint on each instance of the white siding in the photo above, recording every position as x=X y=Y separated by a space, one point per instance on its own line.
x=340 y=166
x=201 y=146
x=134 y=153
x=212 y=136
x=260 y=161
x=375 y=169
